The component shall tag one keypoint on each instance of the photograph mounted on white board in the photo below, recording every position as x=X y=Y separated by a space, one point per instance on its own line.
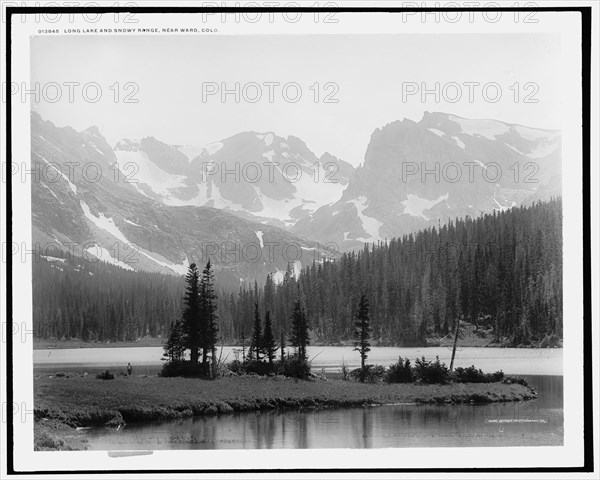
x=316 y=239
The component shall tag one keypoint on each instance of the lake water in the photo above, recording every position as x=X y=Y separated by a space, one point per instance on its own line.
x=536 y=423
x=523 y=361
x=532 y=423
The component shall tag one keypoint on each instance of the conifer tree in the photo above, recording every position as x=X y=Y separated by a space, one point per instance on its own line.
x=269 y=347
x=174 y=347
x=282 y=345
x=256 y=339
x=209 y=318
x=362 y=333
x=299 y=337
x=192 y=322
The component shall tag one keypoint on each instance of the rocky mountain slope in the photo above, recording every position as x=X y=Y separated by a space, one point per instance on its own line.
x=85 y=201
x=276 y=180
x=256 y=201
x=417 y=175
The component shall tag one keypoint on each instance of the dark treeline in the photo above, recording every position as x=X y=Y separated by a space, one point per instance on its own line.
x=501 y=272
x=75 y=298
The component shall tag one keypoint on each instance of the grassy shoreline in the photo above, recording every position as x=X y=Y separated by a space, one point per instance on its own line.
x=61 y=404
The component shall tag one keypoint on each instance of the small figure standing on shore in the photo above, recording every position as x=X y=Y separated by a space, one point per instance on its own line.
x=129 y=369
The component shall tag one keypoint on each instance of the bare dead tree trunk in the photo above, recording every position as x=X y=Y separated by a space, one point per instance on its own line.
x=455 y=342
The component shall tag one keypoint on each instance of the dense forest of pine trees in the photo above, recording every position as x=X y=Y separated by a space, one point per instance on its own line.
x=501 y=271
x=74 y=298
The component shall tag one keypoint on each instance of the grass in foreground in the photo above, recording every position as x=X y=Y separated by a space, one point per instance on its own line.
x=62 y=403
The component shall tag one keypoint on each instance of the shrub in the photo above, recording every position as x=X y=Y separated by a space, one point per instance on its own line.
x=345 y=371
x=399 y=372
x=235 y=366
x=105 y=375
x=259 y=368
x=474 y=375
x=296 y=368
x=184 y=368
x=373 y=373
x=520 y=381
x=431 y=372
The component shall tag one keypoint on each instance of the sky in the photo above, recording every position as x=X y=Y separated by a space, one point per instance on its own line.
x=370 y=76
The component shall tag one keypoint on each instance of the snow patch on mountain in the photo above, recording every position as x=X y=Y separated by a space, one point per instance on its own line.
x=459 y=142
x=266 y=137
x=180 y=269
x=489 y=129
x=210 y=192
x=439 y=133
x=147 y=172
x=103 y=254
x=278 y=276
x=297 y=268
x=131 y=223
x=481 y=164
x=369 y=224
x=103 y=223
x=535 y=134
x=108 y=225
x=72 y=186
x=272 y=208
x=269 y=155
x=310 y=187
x=415 y=205
x=96 y=148
x=52 y=193
x=50 y=258
x=515 y=149
x=543 y=149
x=259 y=235
x=500 y=208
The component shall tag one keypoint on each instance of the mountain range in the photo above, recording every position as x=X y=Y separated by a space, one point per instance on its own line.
x=84 y=204
x=419 y=175
x=256 y=203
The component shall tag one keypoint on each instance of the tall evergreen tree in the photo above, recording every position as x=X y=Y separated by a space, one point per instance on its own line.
x=209 y=318
x=174 y=347
x=256 y=339
x=193 y=327
x=299 y=337
x=269 y=347
x=362 y=333
x=282 y=345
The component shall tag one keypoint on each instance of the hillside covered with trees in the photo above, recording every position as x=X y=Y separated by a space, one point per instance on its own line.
x=501 y=272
